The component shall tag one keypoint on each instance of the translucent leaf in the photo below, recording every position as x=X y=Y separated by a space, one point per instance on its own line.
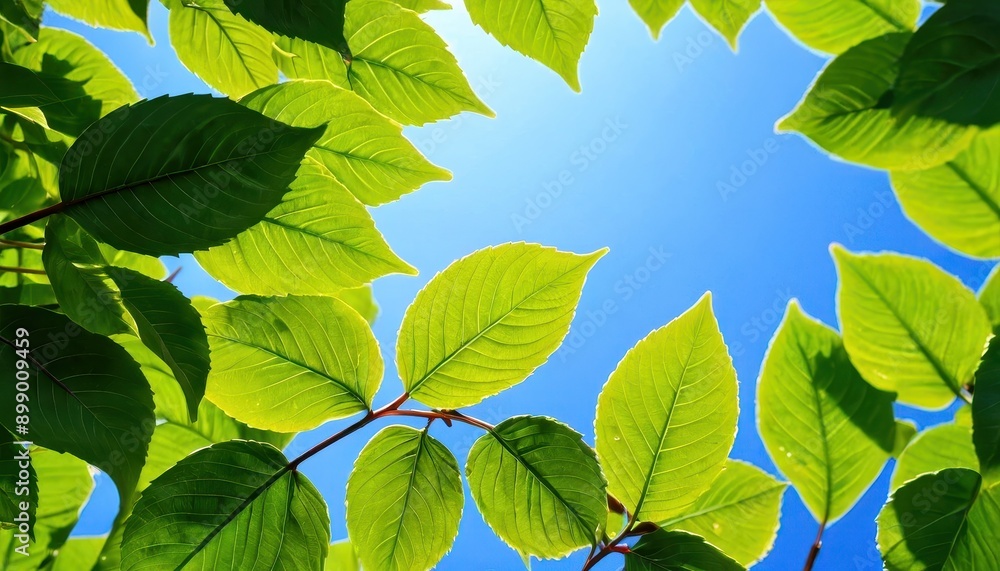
x=826 y=429
x=78 y=553
x=83 y=414
x=422 y=6
x=986 y=414
x=738 y=514
x=728 y=17
x=538 y=485
x=958 y=203
x=50 y=100
x=951 y=67
x=168 y=324
x=226 y=51
x=940 y=521
x=67 y=55
x=291 y=363
x=847 y=112
x=24 y=16
x=256 y=500
x=216 y=169
x=666 y=419
x=515 y=307
x=129 y=15
x=342 y=557
x=833 y=26
x=552 y=32
x=362 y=300
x=656 y=13
x=989 y=296
x=677 y=551
x=404 y=501
x=360 y=149
x=934 y=449
x=908 y=326
x=399 y=65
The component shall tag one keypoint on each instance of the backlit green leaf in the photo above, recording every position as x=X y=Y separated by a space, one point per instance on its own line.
x=399 y=65
x=291 y=363
x=666 y=418
x=256 y=501
x=958 y=203
x=129 y=15
x=67 y=55
x=404 y=501
x=846 y=112
x=728 y=17
x=826 y=429
x=908 y=326
x=361 y=149
x=989 y=296
x=940 y=521
x=168 y=324
x=656 y=13
x=362 y=300
x=951 y=67
x=21 y=15
x=553 y=32
x=738 y=514
x=986 y=414
x=516 y=306
x=833 y=26
x=677 y=551
x=78 y=553
x=342 y=557
x=82 y=384
x=934 y=449
x=226 y=51
x=538 y=485
x=63 y=104
x=216 y=169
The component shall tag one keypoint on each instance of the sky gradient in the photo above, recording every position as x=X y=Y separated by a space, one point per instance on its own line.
x=669 y=157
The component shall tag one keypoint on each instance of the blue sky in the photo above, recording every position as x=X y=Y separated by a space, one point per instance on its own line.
x=646 y=160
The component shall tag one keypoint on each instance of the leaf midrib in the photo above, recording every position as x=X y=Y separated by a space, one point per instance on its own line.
x=719 y=507
x=409 y=490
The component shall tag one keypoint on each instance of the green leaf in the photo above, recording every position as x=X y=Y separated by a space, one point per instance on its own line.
x=362 y=300
x=986 y=414
x=656 y=13
x=951 y=67
x=826 y=429
x=291 y=363
x=128 y=15
x=833 y=26
x=728 y=17
x=677 y=551
x=539 y=486
x=78 y=553
x=318 y=21
x=404 y=501
x=934 y=449
x=14 y=487
x=906 y=430
x=908 y=326
x=989 y=296
x=342 y=557
x=666 y=419
x=216 y=169
x=318 y=241
x=738 y=514
x=846 y=112
x=552 y=32
x=63 y=104
x=146 y=265
x=940 y=521
x=361 y=149
x=240 y=51
x=67 y=55
x=88 y=396
x=399 y=65
x=169 y=325
x=256 y=500
x=422 y=6
x=85 y=292
x=21 y=15
x=516 y=306
x=958 y=203
x=64 y=485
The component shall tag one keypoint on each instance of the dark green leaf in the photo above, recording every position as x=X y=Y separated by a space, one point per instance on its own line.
x=986 y=414
x=65 y=104
x=14 y=488
x=216 y=169
x=22 y=16
x=255 y=500
x=317 y=21
x=677 y=551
